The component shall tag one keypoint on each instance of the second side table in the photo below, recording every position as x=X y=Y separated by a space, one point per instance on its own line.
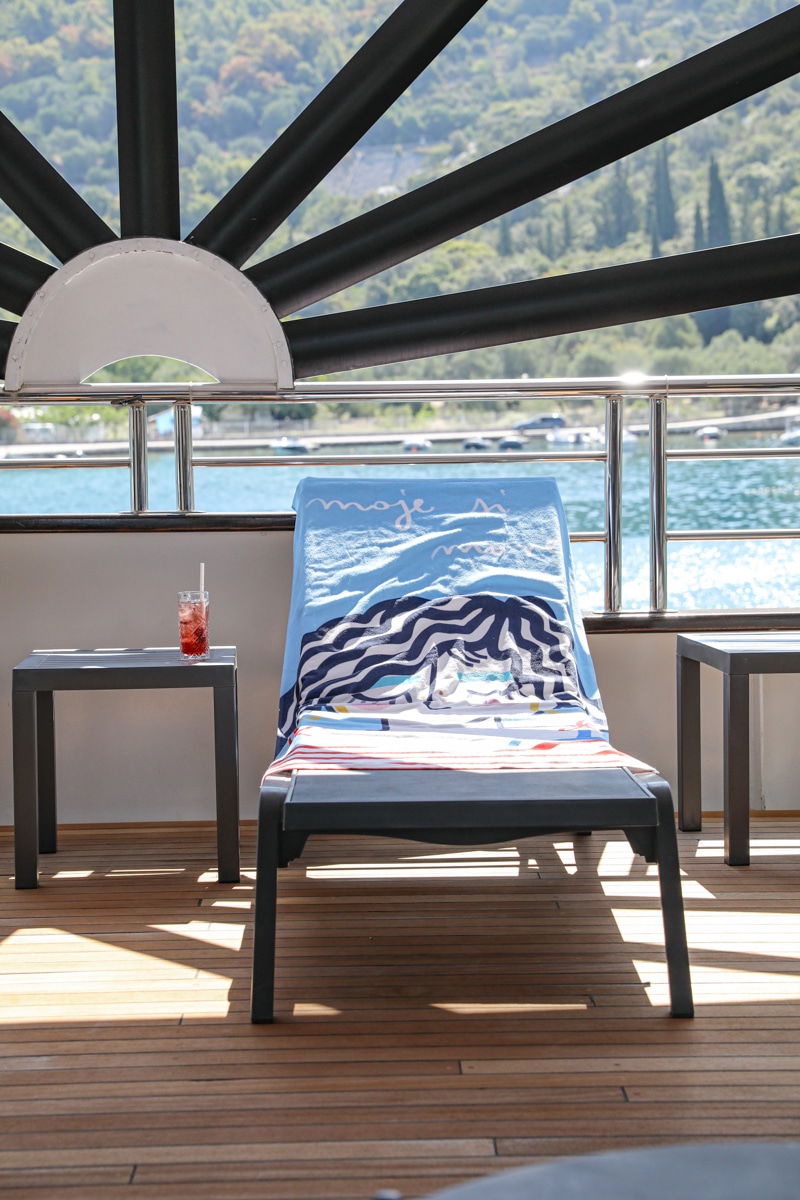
x=738 y=656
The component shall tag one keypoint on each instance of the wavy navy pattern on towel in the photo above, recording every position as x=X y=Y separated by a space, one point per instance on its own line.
x=480 y=650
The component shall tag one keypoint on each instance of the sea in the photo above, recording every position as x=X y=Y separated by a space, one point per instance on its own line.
x=702 y=495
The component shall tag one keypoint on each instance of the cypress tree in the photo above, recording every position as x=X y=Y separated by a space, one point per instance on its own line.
x=719 y=219
x=655 y=241
x=566 y=227
x=663 y=199
x=617 y=210
x=699 y=229
x=782 y=219
x=504 y=247
x=767 y=216
x=746 y=221
x=549 y=244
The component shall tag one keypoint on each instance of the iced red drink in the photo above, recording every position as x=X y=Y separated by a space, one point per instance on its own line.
x=193 y=624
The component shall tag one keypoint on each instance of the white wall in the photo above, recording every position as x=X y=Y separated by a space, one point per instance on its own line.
x=145 y=755
x=149 y=755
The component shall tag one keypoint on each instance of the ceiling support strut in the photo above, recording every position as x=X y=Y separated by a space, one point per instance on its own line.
x=330 y=126
x=147 y=118
x=518 y=312
x=536 y=165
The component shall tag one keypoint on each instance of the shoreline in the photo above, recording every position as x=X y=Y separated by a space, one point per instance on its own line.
x=750 y=423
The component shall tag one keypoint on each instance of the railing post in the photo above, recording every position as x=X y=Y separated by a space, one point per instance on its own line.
x=613 y=531
x=137 y=442
x=658 y=503
x=184 y=472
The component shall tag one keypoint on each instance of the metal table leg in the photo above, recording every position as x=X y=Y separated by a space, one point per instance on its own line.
x=46 y=772
x=736 y=778
x=226 y=758
x=26 y=840
x=689 y=795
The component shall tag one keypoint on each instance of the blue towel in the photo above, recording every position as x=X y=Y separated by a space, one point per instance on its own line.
x=436 y=596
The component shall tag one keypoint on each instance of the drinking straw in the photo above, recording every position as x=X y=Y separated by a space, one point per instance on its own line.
x=202 y=577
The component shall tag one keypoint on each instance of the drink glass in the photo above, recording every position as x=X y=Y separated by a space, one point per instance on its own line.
x=193 y=624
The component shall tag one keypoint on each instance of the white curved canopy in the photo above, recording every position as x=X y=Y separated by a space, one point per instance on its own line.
x=148 y=296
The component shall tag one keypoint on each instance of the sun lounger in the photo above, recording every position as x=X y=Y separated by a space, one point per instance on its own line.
x=438 y=686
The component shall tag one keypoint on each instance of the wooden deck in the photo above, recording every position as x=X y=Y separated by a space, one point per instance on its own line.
x=444 y=1013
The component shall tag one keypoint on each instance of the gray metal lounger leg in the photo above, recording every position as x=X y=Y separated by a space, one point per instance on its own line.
x=669 y=877
x=262 y=999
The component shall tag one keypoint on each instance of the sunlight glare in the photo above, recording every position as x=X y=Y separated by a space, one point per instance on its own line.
x=72 y=874
x=227 y=936
x=760 y=847
x=721 y=985
x=34 y=992
x=566 y=854
x=617 y=859
x=410 y=871
x=300 y=1009
x=469 y=1009
x=641 y=888
x=772 y=934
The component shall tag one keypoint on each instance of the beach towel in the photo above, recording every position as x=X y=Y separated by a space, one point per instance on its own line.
x=435 y=623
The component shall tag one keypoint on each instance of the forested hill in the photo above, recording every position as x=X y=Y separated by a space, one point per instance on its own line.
x=247 y=67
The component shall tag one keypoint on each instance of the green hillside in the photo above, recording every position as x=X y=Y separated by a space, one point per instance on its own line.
x=247 y=67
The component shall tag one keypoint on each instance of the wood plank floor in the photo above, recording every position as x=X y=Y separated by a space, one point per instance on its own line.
x=444 y=1013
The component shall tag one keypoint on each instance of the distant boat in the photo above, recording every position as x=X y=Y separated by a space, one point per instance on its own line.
x=575 y=437
x=417 y=446
x=791 y=437
x=287 y=445
x=708 y=433
x=511 y=442
x=476 y=442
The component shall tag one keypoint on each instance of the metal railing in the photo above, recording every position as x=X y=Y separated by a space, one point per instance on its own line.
x=614 y=391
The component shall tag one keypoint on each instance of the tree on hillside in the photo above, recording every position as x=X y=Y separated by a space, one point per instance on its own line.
x=718 y=230
x=566 y=228
x=617 y=216
x=662 y=199
x=699 y=229
x=655 y=241
x=504 y=246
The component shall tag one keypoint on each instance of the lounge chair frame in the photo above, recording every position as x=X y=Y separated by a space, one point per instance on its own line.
x=466 y=808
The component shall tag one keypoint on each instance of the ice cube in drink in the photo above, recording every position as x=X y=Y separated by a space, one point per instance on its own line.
x=193 y=624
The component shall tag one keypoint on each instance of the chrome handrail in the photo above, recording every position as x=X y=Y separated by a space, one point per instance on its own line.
x=614 y=391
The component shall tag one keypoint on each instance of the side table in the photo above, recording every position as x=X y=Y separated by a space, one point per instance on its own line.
x=738 y=656
x=46 y=671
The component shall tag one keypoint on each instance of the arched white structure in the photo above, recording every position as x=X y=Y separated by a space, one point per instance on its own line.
x=148 y=296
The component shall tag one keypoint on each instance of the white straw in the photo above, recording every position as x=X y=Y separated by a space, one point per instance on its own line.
x=202 y=577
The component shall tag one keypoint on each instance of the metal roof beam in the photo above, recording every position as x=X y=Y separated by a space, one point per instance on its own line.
x=43 y=200
x=20 y=276
x=518 y=312
x=331 y=124
x=536 y=165
x=147 y=118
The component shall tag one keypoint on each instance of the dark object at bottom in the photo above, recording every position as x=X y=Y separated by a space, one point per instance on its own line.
x=714 y=1171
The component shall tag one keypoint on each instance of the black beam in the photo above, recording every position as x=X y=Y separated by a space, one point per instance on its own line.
x=534 y=166
x=20 y=276
x=7 y=331
x=147 y=118
x=43 y=200
x=331 y=124
x=517 y=312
